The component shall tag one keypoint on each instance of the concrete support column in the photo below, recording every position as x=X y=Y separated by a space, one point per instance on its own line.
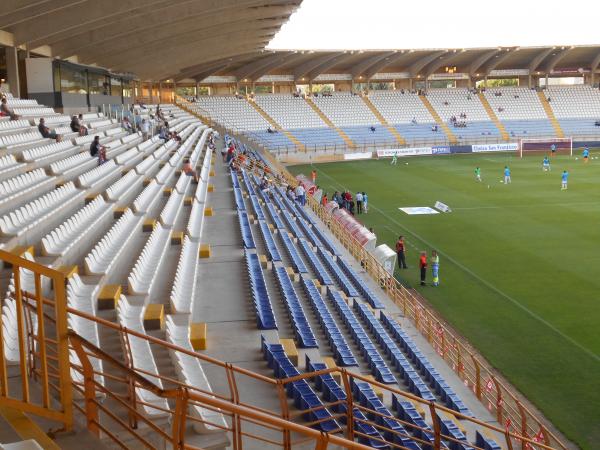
x=196 y=89
x=546 y=80
x=12 y=71
x=160 y=92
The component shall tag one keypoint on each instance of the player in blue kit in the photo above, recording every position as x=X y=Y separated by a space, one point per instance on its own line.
x=546 y=164
x=507 y=179
x=565 y=179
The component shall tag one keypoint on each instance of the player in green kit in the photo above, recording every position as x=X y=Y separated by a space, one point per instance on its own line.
x=394 y=159
x=477 y=173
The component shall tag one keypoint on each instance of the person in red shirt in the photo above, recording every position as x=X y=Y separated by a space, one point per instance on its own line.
x=423 y=267
x=401 y=251
x=324 y=199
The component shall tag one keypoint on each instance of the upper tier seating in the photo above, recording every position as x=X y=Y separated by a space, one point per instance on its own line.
x=520 y=110
x=290 y=112
x=233 y=112
x=577 y=109
x=454 y=102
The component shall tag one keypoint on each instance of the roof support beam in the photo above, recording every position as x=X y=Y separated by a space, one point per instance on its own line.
x=213 y=67
x=19 y=13
x=537 y=60
x=184 y=16
x=246 y=70
x=302 y=70
x=382 y=64
x=148 y=68
x=555 y=59
x=124 y=49
x=290 y=57
x=416 y=67
x=497 y=60
x=441 y=61
x=478 y=62
x=363 y=66
x=328 y=65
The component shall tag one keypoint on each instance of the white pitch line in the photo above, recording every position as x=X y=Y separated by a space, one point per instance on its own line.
x=481 y=280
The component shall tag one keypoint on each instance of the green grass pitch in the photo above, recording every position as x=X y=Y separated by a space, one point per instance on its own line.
x=519 y=264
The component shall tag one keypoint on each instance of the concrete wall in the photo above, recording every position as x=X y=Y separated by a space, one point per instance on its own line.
x=39 y=75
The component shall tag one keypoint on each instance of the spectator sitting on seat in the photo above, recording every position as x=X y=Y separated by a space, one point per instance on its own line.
x=159 y=112
x=5 y=110
x=126 y=125
x=47 y=133
x=372 y=129
x=97 y=149
x=163 y=133
x=174 y=135
x=188 y=170
x=597 y=123
x=76 y=127
x=269 y=130
x=414 y=121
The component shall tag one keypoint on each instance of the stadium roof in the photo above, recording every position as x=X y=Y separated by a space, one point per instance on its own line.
x=225 y=40
x=309 y=65
x=155 y=39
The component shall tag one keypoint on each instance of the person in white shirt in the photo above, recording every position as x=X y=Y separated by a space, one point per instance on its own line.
x=300 y=194
x=145 y=127
x=359 y=202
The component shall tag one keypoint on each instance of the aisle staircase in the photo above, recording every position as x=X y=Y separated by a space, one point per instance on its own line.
x=384 y=122
x=550 y=113
x=329 y=123
x=275 y=125
x=493 y=117
x=443 y=125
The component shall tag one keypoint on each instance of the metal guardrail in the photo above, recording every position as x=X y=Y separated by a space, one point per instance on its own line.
x=113 y=411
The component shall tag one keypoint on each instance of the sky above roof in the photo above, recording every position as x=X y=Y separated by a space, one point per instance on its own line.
x=399 y=24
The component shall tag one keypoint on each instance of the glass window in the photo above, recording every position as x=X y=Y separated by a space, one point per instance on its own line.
x=72 y=81
x=115 y=87
x=99 y=83
x=127 y=88
x=56 y=77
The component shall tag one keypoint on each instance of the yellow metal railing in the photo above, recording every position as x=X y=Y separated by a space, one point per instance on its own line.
x=43 y=351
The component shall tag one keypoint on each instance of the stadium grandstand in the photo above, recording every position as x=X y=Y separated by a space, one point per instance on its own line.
x=158 y=295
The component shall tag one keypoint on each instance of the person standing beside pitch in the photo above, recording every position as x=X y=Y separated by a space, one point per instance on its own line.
x=435 y=267
x=423 y=267
x=401 y=250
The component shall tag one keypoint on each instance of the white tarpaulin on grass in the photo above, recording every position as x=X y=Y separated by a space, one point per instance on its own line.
x=418 y=210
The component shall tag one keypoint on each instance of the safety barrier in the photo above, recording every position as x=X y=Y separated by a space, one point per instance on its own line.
x=105 y=393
